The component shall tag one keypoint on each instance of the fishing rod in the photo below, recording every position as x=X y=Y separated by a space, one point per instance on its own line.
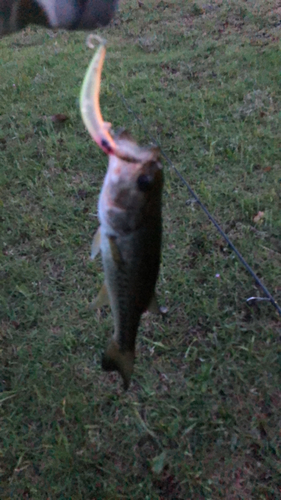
x=268 y=297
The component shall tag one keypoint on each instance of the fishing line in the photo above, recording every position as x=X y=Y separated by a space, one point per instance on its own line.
x=194 y=195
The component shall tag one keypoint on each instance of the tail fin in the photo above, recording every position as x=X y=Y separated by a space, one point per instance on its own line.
x=116 y=360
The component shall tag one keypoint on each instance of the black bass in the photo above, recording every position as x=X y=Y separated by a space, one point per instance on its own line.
x=129 y=235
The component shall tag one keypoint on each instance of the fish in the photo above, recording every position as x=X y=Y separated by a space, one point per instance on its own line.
x=129 y=236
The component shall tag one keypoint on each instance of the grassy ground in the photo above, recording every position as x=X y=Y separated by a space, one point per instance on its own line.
x=202 y=417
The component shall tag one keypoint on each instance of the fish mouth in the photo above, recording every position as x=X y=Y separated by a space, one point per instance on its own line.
x=99 y=130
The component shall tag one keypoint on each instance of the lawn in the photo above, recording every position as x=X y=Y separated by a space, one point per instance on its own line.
x=201 y=419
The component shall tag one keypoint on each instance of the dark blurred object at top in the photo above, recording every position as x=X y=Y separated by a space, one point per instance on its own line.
x=67 y=14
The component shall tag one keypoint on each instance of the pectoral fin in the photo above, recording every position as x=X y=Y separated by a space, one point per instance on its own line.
x=115 y=251
x=102 y=298
x=154 y=307
x=96 y=244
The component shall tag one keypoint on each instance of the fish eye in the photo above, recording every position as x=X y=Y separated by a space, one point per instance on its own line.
x=144 y=182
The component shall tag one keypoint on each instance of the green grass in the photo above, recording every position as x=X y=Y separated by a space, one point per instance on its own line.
x=202 y=417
